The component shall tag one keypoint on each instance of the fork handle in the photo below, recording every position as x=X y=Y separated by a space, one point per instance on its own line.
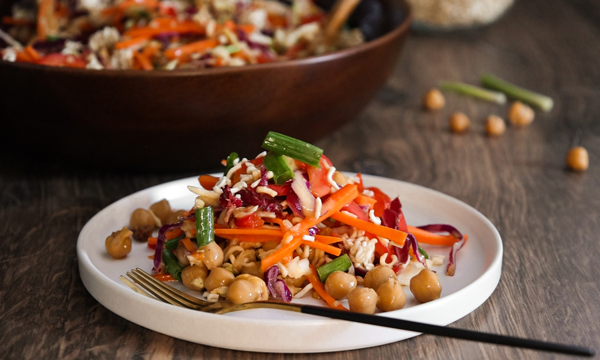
x=446 y=331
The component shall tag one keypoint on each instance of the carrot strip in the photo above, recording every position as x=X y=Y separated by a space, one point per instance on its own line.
x=280 y=254
x=164 y=277
x=23 y=56
x=130 y=42
x=394 y=235
x=143 y=61
x=247 y=28
x=172 y=234
x=191 y=48
x=208 y=181
x=152 y=242
x=327 y=239
x=252 y=238
x=248 y=231
x=150 y=50
x=9 y=20
x=33 y=53
x=188 y=244
x=320 y=289
x=365 y=201
x=430 y=238
x=45 y=10
x=198 y=256
x=327 y=248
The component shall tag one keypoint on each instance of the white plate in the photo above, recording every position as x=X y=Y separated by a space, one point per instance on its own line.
x=477 y=274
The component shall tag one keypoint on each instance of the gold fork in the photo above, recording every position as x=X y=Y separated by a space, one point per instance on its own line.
x=170 y=295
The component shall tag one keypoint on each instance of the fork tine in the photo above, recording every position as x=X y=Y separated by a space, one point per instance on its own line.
x=172 y=290
x=160 y=292
x=142 y=283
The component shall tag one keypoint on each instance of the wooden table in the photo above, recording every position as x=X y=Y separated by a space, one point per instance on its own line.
x=548 y=217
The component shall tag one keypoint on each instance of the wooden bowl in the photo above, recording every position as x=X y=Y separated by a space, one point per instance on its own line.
x=165 y=120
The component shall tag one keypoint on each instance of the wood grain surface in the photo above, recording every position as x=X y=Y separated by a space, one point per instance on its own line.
x=548 y=217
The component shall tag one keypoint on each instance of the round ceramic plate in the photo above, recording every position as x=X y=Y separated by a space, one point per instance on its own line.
x=477 y=274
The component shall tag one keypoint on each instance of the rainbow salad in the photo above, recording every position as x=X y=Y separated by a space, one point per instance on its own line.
x=166 y=34
x=286 y=224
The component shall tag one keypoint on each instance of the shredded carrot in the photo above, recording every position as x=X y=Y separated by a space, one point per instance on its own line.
x=191 y=48
x=281 y=253
x=208 y=181
x=152 y=242
x=394 y=235
x=198 y=256
x=143 y=61
x=320 y=289
x=229 y=25
x=23 y=56
x=430 y=238
x=252 y=238
x=173 y=234
x=150 y=50
x=46 y=7
x=327 y=248
x=188 y=244
x=248 y=231
x=327 y=239
x=8 y=20
x=130 y=42
x=247 y=28
x=365 y=201
x=164 y=277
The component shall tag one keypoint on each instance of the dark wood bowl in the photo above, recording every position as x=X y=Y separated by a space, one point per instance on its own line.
x=190 y=119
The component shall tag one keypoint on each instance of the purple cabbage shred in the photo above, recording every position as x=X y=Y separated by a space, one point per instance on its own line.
x=265 y=202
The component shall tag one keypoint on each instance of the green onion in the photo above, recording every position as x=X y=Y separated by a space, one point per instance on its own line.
x=541 y=101
x=279 y=166
x=294 y=148
x=342 y=263
x=423 y=252
x=172 y=244
x=205 y=226
x=474 y=91
x=230 y=159
x=172 y=264
x=232 y=49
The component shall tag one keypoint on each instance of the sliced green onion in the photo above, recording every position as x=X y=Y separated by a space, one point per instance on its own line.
x=205 y=226
x=230 y=159
x=513 y=91
x=279 y=166
x=232 y=49
x=342 y=263
x=172 y=244
x=474 y=91
x=294 y=148
x=172 y=264
x=424 y=253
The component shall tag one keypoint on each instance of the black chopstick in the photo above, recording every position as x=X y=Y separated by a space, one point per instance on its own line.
x=447 y=332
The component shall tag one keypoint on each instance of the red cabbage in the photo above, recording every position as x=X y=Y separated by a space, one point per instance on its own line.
x=265 y=202
x=282 y=291
x=263 y=177
x=393 y=217
x=402 y=252
x=162 y=236
x=294 y=203
x=228 y=200
x=455 y=247
x=270 y=279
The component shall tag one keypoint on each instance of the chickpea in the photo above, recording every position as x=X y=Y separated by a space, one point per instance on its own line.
x=340 y=179
x=213 y=255
x=391 y=296
x=141 y=223
x=162 y=210
x=247 y=288
x=433 y=100
x=495 y=126
x=174 y=217
x=118 y=244
x=520 y=114
x=459 y=123
x=218 y=277
x=426 y=286
x=377 y=276
x=339 y=284
x=578 y=159
x=253 y=268
x=181 y=253
x=193 y=277
x=362 y=300
x=270 y=245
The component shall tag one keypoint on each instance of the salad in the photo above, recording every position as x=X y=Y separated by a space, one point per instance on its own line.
x=286 y=224
x=166 y=34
